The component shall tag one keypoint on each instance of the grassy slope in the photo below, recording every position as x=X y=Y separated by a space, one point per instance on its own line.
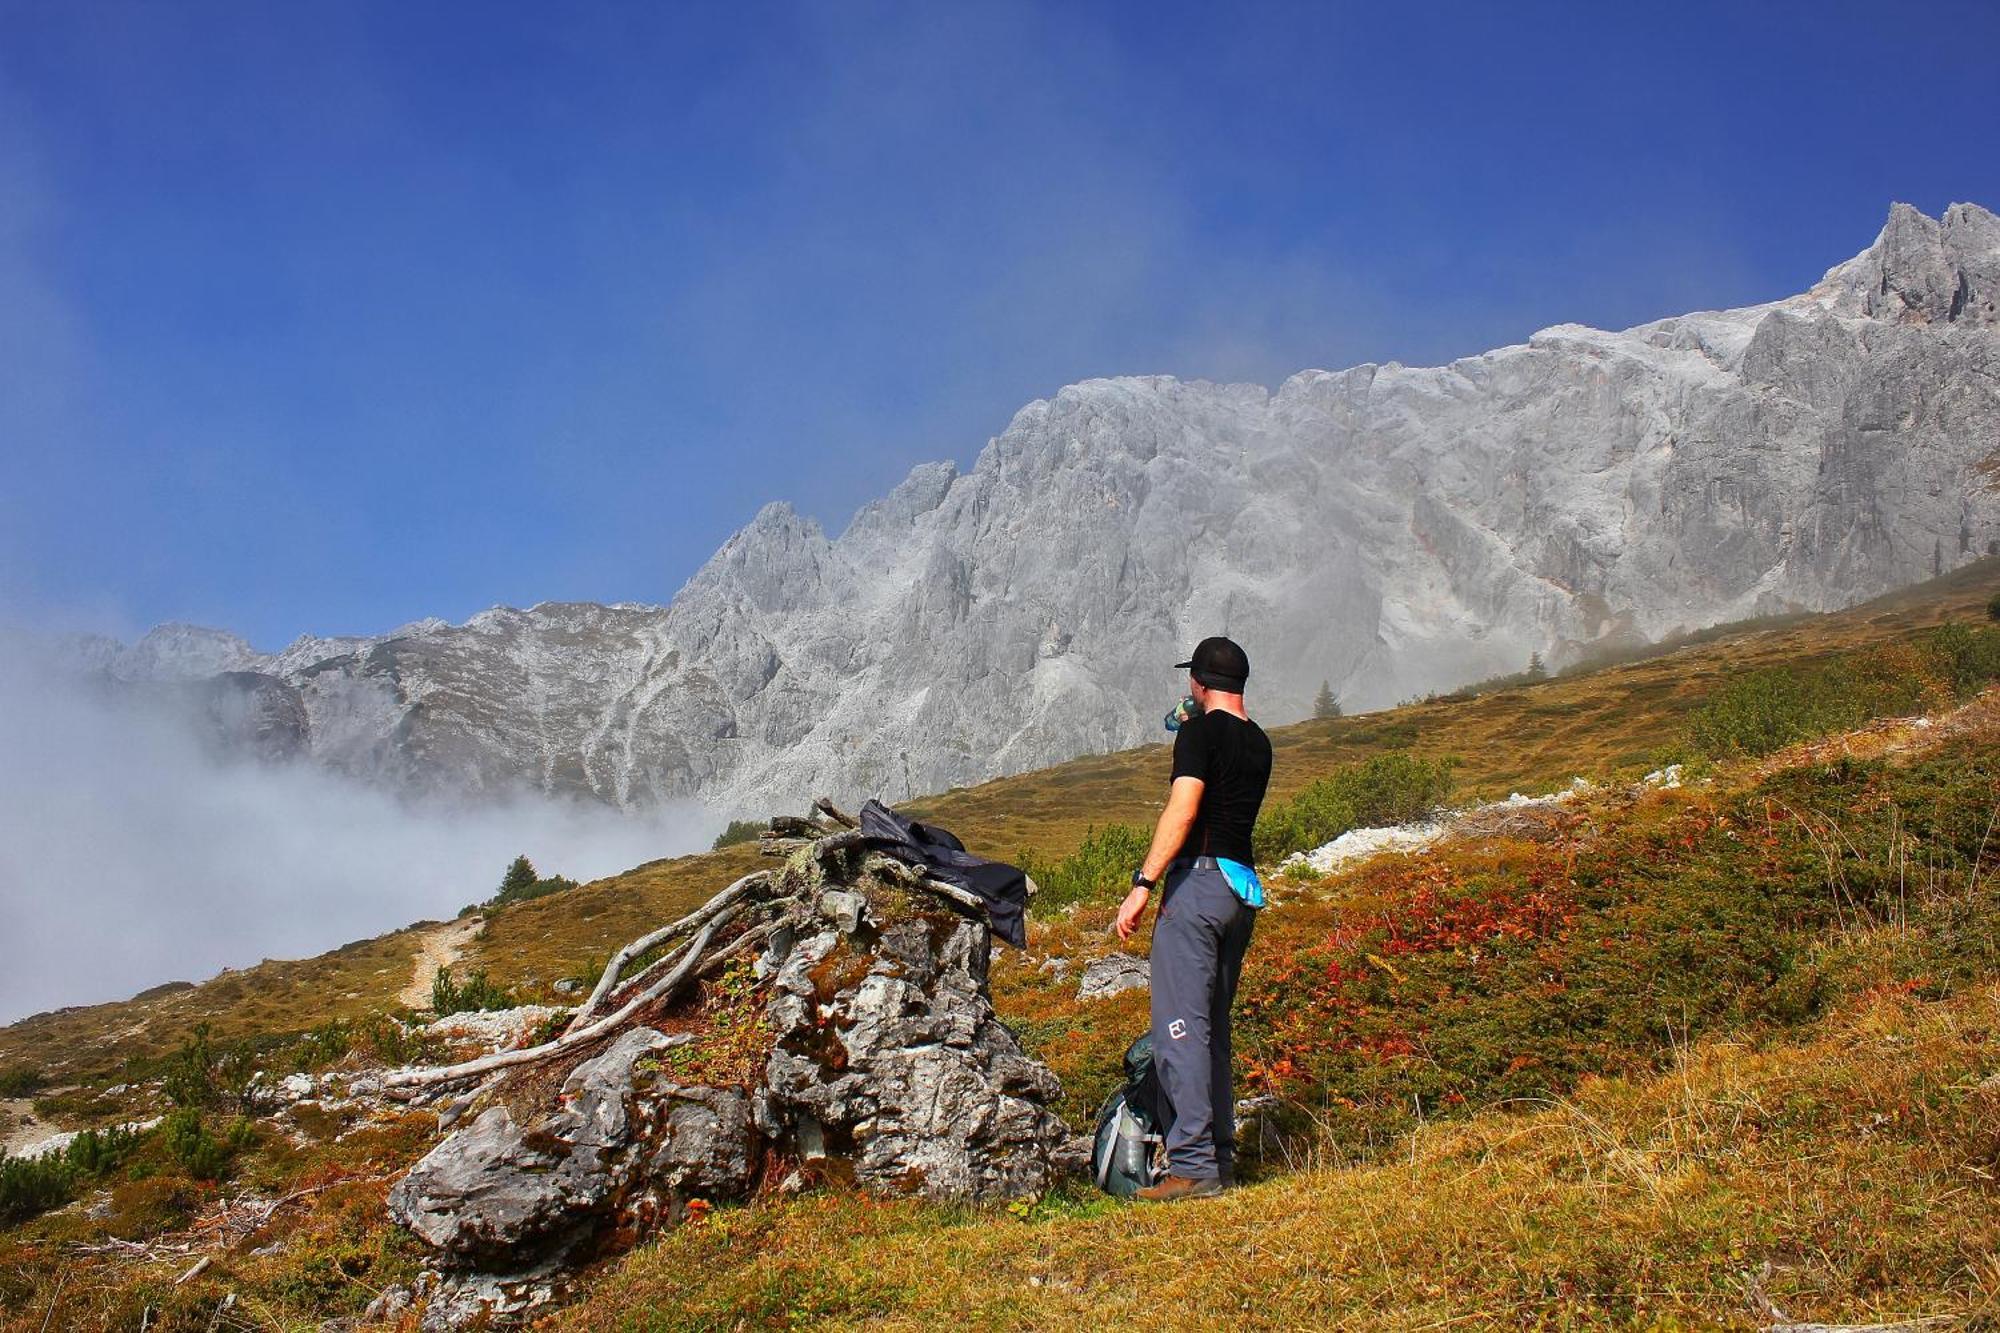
x=1857 y=1165
x=1606 y=723
x=1834 y=1122
x=1825 y=925
x=1849 y=1146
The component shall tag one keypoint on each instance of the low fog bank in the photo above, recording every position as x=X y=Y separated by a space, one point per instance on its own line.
x=130 y=854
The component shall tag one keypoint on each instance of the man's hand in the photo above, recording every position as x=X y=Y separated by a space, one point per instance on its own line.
x=1131 y=911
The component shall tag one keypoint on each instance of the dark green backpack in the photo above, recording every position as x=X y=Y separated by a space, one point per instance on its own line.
x=1129 y=1151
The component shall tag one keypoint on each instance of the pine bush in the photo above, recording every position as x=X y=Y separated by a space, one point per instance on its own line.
x=1385 y=789
x=739 y=831
x=1101 y=867
x=474 y=993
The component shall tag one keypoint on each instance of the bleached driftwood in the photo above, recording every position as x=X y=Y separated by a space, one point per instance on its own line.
x=765 y=901
x=690 y=956
x=692 y=921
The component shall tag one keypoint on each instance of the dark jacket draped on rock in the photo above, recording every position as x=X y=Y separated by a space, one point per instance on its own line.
x=1003 y=888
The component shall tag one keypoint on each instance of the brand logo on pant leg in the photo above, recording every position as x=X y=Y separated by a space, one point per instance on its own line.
x=1177 y=1029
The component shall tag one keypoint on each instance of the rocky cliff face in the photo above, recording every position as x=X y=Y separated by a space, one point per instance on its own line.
x=1389 y=529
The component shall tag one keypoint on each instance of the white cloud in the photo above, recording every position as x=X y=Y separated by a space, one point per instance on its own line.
x=130 y=856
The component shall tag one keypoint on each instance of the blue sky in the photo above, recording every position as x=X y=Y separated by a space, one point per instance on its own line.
x=329 y=317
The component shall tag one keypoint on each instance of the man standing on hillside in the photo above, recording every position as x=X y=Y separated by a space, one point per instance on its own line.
x=1208 y=906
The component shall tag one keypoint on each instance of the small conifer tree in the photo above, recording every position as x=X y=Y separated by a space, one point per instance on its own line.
x=1326 y=703
x=520 y=878
x=1536 y=671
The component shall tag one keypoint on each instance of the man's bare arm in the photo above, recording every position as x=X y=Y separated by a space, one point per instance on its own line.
x=1183 y=804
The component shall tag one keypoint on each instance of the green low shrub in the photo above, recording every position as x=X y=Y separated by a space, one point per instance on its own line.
x=22 y=1081
x=30 y=1186
x=96 y=1152
x=1386 y=789
x=1968 y=655
x=199 y=1152
x=384 y=1036
x=739 y=831
x=1101 y=867
x=189 y=1078
x=474 y=993
x=198 y=1075
x=394 y=1042
x=1762 y=711
x=322 y=1046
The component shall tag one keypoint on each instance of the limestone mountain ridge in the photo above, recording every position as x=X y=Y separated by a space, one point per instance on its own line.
x=1388 y=529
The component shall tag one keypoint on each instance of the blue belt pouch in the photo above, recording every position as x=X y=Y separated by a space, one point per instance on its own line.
x=1243 y=881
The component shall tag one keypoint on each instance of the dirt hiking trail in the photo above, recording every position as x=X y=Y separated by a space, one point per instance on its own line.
x=440 y=946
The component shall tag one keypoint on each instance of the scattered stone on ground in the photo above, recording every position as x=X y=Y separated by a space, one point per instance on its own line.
x=1362 y=843
x=1114 y=973
x=494 y=1029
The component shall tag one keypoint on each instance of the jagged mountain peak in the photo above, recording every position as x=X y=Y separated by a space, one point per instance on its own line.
x=180 y=651
x=1386 y=529
x=1921 y=270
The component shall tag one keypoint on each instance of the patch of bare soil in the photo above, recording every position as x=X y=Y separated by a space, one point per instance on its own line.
x=20 y=1128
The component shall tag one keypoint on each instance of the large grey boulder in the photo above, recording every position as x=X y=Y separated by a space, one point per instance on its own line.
x=886 y=1066
x=1112 y=974
x=620 y=1135
x=507 y=1208
x=905 y=1070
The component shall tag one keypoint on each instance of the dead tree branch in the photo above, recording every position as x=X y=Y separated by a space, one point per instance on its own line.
x=887 y=867
x=765 y=901
x=691 y=957
x=833 y=812
x=693 y=920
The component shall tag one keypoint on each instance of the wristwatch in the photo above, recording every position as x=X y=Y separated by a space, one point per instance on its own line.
x=1139 y=880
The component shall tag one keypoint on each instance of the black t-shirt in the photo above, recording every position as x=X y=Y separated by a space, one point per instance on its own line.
x=1232 y=757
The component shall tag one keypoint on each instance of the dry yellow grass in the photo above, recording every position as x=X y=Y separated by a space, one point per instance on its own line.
x=1857 y=1166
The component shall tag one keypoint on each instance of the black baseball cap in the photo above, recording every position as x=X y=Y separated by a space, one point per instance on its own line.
x=1219 y=664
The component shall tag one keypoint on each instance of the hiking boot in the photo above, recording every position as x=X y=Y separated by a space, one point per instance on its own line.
x=1179 y=1187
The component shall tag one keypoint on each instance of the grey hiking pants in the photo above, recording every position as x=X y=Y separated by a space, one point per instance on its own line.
x=1198 y=945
